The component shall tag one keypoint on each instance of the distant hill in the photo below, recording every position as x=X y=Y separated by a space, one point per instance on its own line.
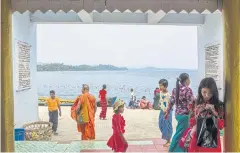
x=63 y=67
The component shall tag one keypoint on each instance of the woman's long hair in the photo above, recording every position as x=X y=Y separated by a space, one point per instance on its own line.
x=212 y=86
x=181 y=79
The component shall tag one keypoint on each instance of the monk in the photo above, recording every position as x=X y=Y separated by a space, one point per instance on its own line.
x=87 y=104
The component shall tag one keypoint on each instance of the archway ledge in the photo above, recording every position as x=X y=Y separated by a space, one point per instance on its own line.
x=116 y=11
x=142 y=6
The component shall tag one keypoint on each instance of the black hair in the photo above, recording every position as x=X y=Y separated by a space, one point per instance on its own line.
x=52 y=92
x=181 y=79
x=163 y=82
x=104 y=86
x=143 y=97
x=212 y=86
x=131 y=89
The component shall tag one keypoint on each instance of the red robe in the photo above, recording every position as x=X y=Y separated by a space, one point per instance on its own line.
x=103 y=103
x=116 y=142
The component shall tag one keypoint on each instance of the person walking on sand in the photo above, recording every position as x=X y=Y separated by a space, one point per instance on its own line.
x=117 y=141
x=183 y=97
x=131 y=103
x=83 y=111
x=165 y=125
x=103 y=102
x=53 y=104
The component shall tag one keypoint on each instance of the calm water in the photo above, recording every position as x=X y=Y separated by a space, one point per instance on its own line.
x=68 y=84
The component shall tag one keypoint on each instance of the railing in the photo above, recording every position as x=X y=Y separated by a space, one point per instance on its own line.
x=43 y=99
x=66 y=102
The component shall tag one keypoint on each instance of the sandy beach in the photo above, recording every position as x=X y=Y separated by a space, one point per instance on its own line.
x=140 y=124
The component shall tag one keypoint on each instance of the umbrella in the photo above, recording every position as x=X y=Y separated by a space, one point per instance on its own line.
x=114 y=100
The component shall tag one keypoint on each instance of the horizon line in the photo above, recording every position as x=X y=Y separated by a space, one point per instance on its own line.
x=145 y=67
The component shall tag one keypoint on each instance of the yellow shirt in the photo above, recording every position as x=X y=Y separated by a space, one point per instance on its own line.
x=53 y=104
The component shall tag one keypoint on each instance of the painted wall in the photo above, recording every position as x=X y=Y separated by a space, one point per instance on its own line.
x=210 y=32
x=25 y=102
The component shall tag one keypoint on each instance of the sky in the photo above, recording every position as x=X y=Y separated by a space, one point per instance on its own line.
x=132 y=46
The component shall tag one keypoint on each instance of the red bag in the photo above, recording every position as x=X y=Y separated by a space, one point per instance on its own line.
x=184 y=137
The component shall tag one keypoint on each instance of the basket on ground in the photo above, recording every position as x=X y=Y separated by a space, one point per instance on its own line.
x=38 y=131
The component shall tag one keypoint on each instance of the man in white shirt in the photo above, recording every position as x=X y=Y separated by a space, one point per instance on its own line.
x=131 y=103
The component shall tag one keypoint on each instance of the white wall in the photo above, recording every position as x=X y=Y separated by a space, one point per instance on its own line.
x=25 y=102
x=210 y=32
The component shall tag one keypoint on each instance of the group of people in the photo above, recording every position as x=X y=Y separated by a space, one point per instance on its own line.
x=199 y=119
x=143 y=103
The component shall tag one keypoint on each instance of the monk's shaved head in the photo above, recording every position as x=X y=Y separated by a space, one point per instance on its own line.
x=85 y=87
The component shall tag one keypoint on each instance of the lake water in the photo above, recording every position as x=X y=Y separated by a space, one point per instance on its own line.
x=68 y=84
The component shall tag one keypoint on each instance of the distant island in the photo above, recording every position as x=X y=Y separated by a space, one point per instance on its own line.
x=63 y=67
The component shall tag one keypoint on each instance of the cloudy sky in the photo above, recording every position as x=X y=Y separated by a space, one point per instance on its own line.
x=132 y=46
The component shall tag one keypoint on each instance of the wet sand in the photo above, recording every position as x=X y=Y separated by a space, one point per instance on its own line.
x=140 y=124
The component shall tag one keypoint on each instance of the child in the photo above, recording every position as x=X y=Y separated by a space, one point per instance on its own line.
x=117 y=141
x=165 y=125
x=207 y=100
x=53 y=107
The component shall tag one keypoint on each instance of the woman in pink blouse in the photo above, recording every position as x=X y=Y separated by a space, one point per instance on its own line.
x=182 y=96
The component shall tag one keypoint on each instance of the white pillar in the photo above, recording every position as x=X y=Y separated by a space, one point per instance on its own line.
x=209 y=33
x=26 y=101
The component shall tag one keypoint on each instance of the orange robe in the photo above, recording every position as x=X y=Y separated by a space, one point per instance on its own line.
x=87 y=129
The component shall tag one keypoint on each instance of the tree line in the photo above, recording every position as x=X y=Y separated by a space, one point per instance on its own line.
x=63 y=67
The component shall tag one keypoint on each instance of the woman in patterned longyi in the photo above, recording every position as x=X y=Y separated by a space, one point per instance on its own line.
x=183 y=97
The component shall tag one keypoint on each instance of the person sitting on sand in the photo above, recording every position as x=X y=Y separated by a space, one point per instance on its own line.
x=133 y=104
x=145 y=104
x=136 y=103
